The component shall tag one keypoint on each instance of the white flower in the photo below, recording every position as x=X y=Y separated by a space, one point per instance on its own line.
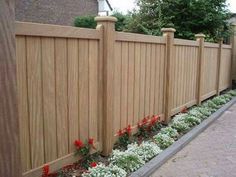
x=146 y=150
x=163 y=140
x=101 y=171
x=128 y=161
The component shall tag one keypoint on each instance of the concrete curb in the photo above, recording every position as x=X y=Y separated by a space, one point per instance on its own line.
x=158 y=161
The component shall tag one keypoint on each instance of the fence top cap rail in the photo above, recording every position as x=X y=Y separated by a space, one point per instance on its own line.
x=168 y=30
x=48 y=30
x=105 y=18
x=200 y=35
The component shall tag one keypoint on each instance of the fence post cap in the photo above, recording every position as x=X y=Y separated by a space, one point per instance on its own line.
x=200 y=35
x=105 y=19
x=164 y=30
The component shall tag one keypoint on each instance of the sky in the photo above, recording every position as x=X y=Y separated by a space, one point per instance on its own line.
x=126 y=5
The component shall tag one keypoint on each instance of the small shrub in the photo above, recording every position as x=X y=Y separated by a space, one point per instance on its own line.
x=179 y=124
x=192 y=120
x=219 y=100
x=163 y=140
x=85 y=21
x=197 y=113
x=128 y=161
x=227 y=97
x=173 y=133
x=146 y=150
x=232 y=93
x=205 y=111
x=102 y=170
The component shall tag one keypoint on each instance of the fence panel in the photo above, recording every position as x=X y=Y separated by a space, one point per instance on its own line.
x=57 y=91
x=184 y=74
x=138 y=78
x=209 y=76
x=225 y=67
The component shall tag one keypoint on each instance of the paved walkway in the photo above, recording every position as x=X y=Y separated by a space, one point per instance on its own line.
x=211 y=154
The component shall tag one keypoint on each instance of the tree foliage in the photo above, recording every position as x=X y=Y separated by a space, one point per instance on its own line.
x=188 y=17
x=89 y=22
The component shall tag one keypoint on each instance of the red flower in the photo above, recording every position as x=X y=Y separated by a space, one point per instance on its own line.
x=93 y=164
x=91 y=142
x=45 y=170
x=79 y=144
x=184 y=110
x=120 y=133
x=128 y=130
x=144 y=121
x=154 y=120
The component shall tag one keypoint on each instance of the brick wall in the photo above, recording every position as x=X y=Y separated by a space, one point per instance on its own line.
x=61 y=12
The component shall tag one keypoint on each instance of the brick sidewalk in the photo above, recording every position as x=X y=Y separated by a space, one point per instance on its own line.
x=211 y=154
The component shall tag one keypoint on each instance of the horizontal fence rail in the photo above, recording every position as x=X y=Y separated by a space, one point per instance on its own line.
x=76 y=83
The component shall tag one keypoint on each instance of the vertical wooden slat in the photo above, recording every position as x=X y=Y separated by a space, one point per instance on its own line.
x=147 y=80
x=83 y=89
x=157 y=78
x=130 y=107
x=137 y=58
x=93 y=89
x=124 y=84
x=219 y=63
x=117 y=88
x=73 y=91
x=152 y=78
x=49 y=107
x=34 y=66
x=23 y=102
x=61 y=96
x=142 y=81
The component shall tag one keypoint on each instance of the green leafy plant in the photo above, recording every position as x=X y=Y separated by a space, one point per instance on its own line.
x=173 y=133
x=219 y=100
x=148 y=125
x=102 y=170
x=124 y=136
x=85 y=21
x=232 y=93
x=146 y=150
x=128 y=161
x=179 y=124
x=192 y=120
x=163 y=140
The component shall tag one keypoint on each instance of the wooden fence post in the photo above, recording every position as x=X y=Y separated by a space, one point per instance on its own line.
x=200 y=38
x=10 y=165
x=108 y=27
x=219 y=67
x=168 y=33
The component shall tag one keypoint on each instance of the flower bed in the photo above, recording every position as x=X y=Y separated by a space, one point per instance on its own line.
x=133 y=151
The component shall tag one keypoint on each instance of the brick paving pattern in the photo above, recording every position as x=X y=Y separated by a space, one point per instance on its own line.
x=211 y=154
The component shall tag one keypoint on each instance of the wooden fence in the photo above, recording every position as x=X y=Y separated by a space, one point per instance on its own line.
x=78 y=83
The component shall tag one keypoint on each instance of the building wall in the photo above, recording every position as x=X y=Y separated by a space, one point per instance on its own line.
x=61 y=12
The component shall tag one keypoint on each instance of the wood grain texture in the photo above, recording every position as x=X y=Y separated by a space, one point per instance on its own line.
x=49 y=98
x=22 y=93
x=73 y=91
x=34 y=71
x=61 y=96
x=46 y=30
x=10 y=164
